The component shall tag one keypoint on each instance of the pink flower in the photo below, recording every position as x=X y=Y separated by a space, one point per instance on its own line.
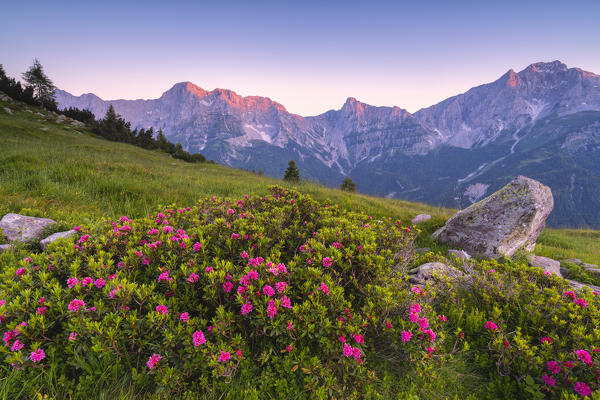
x=42 y=310
x=246 y=308
x=570 y=294
x=491 y=326
x=280 y=286
x=442 y=318
x=289 y=326
x=42 y=300
x=431 y=335
x=252 y=274
x=583 y=389
x=86 y=281
x=271 y=309
x=37 y=355
x=423 y=323
x=337 y=245
x=21 y=271
x=235 y=236
x=553 y=367
x=193 y=278
x=84 y=238
x=153 y=360
x=224 y=357
x=406 y=336
x=327 y=262
x=76 y=304
x=548 y=380
x=417 y=290
x=243 y=254
x=285 y=302
x=17 y=345
x=546 y=339
x=198 y=338
x=230 y=211
x=342 y=339
x=164 y=277
x=580 y=302
x=413 y=317
x=388 y=325
x=183 y=316
x=73 y=336
x=584 y=357
x=359 y=338
x=162 y=309
x=238 y=354
x=227 y=286
x=347 y=352
x=167 y=229
x=208 y=270
x=356 y=353
x=323 y=288
x=77 y=228
x=415 y=308
x=196 y=247
x=268 y=290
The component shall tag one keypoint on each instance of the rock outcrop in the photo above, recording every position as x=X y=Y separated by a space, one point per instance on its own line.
x=22 y=228
x=499 y=225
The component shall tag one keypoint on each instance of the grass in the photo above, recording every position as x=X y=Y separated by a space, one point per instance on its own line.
x=74 y=177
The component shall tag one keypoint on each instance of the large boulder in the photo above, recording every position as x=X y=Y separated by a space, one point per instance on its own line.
x=499 y=225
x=22 y=228
x=54 y=237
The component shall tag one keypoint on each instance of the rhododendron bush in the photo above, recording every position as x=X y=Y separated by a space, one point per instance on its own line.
x=297 y=294
x=538 y=337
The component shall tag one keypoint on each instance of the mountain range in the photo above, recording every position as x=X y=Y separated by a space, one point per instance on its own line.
x=542 y=122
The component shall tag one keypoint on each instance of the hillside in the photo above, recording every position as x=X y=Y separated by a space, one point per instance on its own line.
x=161 y=319
x=70 y=175
x=543 y=122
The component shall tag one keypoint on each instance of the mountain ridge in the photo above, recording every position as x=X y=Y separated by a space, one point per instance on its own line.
x=451 y=153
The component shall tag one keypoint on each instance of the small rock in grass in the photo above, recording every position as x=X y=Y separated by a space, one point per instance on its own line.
x=55 y=236
x=423 y=250
x=545 y=263
x=426 y=272
x=573 y=261
x=420 y=218
x=8 y=111
x=460 y=254
x=4 y=247
x=589 y=266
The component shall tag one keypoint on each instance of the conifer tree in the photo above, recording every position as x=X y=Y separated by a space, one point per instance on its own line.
x=42 y=85
x=292 y=174
x=348 y=185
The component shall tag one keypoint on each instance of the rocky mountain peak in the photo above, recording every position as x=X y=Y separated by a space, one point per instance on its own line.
x=547 y=67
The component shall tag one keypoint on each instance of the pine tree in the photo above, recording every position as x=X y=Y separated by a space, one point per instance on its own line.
x=42 y=85
x=348 y=185
x=292 y=174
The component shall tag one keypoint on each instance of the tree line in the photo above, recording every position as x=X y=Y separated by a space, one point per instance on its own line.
x=39 y=91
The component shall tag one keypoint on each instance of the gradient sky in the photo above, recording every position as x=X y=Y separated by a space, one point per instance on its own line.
x=309 y=56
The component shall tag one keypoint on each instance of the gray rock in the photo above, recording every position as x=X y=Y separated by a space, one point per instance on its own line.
x=60 y=119
x=78 y=124
x=423 y=250
x=420 y=218
x=8 y=111
x=4 y=247
x=499 y=225
x=573 y=261
x=589 y=266
x=545 y=263
x=22 y=228
x=594 y=271
x=426 y=272
x=460 y=254
x=579 y=285
x=55 y=236
x=45 y=128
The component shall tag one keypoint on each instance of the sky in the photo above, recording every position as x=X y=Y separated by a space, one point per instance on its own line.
x=307 y=55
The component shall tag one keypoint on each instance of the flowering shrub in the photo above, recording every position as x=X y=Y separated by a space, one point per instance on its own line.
x=533 y=327
x=300 y=294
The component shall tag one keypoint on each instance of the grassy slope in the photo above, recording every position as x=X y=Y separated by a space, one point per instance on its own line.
x=73 y=176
